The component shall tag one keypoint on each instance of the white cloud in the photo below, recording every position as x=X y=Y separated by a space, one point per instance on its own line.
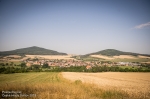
x=142 y=25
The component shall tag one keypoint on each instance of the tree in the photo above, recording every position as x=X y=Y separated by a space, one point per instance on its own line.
x=2 y=69
x=36 y=67
x=12 y=63
x=3 y=64
x=45 y=65
x=126 y=69
x=6 y=64
x=23 y=64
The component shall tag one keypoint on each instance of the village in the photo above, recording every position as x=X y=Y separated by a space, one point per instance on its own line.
x=65 y=62
x=71 y=62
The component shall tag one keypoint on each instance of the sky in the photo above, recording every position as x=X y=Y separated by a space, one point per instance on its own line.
x=76 y=26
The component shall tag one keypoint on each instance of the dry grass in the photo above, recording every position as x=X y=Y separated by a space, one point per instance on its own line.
x=15 y=56
x=136 y=85
x=146 y=62
x=54 y=86
x=102 y=56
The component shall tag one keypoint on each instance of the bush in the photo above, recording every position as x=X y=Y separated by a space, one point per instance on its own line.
x=78 y=82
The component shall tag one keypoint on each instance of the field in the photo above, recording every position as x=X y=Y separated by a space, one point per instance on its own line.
x=123 y=58
x=16 y=63
x=120 y=57
x=51 y=85
x=102 y=56
x=14 y=56
x=51 y=56
x=40 y=85
x=130 y=60
x=137 y=85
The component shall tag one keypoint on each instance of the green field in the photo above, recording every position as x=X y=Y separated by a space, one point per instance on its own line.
x=15 y=64
x=132 y=67
x=51 y=85
x=9 y=63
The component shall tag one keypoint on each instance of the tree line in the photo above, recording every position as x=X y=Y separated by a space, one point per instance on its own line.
x=45 y=68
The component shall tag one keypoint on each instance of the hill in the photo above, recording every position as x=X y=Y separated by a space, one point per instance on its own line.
x=32 y=51
x=113 y=52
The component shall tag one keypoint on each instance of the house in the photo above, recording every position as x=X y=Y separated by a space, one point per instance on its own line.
x=88 y=67
x=28 y=64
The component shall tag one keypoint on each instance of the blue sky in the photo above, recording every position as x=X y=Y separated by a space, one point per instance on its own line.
x=76 y=26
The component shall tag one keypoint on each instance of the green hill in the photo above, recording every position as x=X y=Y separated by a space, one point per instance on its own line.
x=113 y=52
x=32 y=51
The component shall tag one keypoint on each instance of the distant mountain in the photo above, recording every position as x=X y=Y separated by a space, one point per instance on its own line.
x=32 y=51
x=113 y=52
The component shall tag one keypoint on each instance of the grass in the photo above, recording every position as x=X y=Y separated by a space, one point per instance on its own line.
x=132 y=67
x=15 y=62
x=51 y=85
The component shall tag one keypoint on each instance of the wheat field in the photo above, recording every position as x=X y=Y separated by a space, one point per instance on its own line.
x=52 y=85
x=137 y=85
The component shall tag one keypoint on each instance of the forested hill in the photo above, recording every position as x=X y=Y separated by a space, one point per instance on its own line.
x=32 y=51
x=113 y=52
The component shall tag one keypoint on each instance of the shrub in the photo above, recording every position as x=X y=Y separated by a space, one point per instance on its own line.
x=78 y=82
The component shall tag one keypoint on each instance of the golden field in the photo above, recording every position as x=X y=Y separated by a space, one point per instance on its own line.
x=135 y=84
x=52 y=85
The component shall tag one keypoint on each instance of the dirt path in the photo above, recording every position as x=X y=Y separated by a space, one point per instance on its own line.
x=133 y=83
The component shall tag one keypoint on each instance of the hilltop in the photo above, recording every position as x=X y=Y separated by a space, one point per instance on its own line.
x=114 y=52
x=34 y=50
